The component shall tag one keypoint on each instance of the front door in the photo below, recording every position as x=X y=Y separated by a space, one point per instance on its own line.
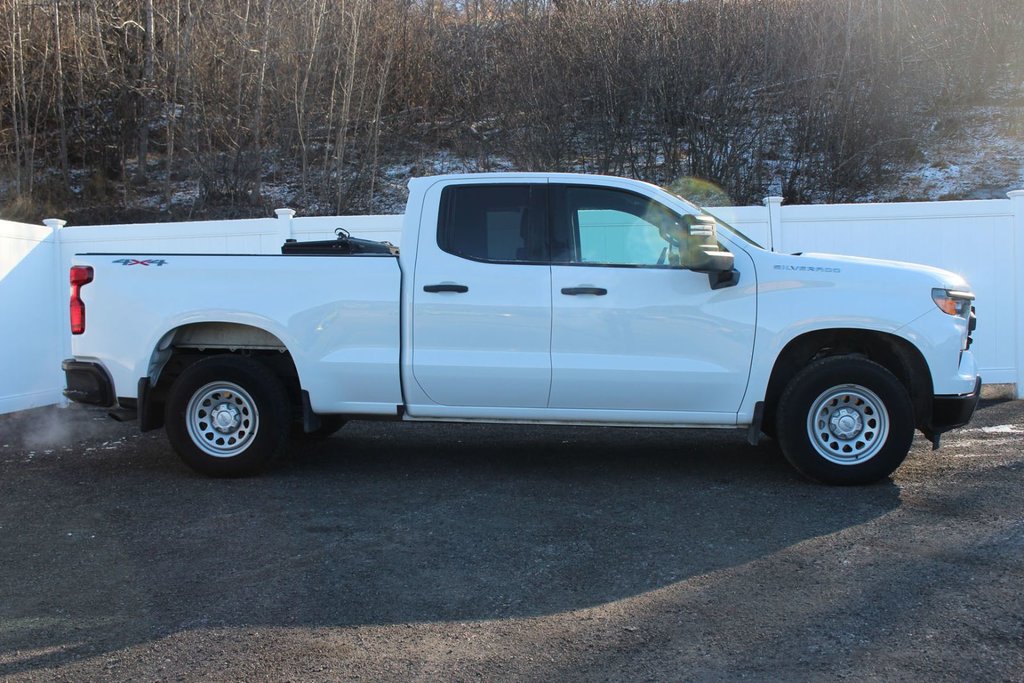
x=632 y=329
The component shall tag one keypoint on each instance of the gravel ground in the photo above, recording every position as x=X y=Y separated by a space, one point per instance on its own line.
x=399 y=551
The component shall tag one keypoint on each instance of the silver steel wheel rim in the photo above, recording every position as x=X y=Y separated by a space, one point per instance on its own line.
x=848 y=424
x=222 y=419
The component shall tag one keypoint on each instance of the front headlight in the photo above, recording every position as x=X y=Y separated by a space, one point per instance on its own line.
x=953 y=302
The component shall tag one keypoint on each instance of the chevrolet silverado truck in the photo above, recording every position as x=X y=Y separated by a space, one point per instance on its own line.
x=536 y=299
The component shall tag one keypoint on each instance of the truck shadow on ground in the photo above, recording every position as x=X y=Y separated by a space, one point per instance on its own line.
x=387 y=524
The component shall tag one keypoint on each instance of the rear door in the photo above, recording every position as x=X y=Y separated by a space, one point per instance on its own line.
x=632 y=329
x=482 y=300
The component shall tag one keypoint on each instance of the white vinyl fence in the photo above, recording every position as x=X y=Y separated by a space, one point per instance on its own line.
x=983 y=240
x=31 y=328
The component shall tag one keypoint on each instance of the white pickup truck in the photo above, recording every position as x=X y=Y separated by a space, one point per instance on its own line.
x=529 y=298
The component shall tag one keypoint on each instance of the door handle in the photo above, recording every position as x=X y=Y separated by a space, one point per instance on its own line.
x=576 y=291
x=446 y=287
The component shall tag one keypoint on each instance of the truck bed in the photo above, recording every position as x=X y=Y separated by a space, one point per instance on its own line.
x=339 y=316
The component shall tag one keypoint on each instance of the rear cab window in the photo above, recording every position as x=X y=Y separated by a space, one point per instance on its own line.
x=494 y=223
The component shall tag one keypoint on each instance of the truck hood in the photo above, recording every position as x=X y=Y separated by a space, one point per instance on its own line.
x=898 y=272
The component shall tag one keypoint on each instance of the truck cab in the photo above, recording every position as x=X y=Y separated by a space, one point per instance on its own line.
x=551 y=299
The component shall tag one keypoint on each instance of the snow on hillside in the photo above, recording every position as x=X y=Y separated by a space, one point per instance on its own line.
x=965 y=151
x=969 y=151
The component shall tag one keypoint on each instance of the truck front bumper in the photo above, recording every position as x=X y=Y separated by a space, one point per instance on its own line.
x=950 y=412
x=87 y=383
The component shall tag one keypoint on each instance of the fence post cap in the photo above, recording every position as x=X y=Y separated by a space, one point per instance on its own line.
x=1015 y=194
x=772 y=200
x=285 y=213
x=54 y=223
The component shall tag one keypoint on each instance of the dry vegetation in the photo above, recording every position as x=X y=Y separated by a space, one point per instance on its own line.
x=104 y=101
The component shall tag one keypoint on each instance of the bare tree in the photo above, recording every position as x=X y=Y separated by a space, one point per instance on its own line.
x=814 y=96
x=59 y=75
x=145 y=88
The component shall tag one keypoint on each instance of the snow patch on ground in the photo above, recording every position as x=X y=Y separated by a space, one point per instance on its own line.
x=969 y=151
x=187 y=193
x=392 y=190
x=1003 y=429
x=279 y=195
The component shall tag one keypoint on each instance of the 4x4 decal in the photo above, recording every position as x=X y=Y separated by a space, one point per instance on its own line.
x=137 y=262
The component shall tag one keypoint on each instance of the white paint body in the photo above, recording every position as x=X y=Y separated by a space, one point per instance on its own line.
x=662 y=348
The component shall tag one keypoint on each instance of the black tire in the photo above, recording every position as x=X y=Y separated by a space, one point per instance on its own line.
x=249 y=401
x=863 y=421
x=329 y=424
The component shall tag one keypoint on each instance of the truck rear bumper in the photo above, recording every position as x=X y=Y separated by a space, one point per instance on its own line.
x=87 y=383
x=950 y=412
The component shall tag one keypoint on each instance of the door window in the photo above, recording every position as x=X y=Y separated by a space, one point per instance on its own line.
x=499 y=223
x=606 y=226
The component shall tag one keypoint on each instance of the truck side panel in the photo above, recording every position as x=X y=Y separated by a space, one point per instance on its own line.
x=337 y=316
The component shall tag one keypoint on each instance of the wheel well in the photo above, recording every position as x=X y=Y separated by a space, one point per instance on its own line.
x=897 y=355
x=183 y=346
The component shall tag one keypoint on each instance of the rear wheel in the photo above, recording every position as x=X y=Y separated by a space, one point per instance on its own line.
x=845 y=420
x=227 y=416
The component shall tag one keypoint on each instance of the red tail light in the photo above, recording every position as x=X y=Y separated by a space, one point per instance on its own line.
x=80 y=276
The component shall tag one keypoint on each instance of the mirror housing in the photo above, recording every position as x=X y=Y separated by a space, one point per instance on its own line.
x=718 y=265
x=704 y=255
x=702 y=229
x=711 y=260
x=691 y=231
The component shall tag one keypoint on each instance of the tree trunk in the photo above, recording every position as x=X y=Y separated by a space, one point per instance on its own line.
x=346 y=104
x=257 y=128
x=15 y=113
x=145 y=91
x=61 y=118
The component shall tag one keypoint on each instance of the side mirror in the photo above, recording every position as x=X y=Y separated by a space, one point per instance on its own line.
x=691 y=231
x=718 y=264
x=708 y=260
x=697 y=239
x=705 y=255
x=702 y=229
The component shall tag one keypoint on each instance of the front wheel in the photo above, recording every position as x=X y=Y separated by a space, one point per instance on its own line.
x=329 y=424
x=227 y=416
x=845 y=420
